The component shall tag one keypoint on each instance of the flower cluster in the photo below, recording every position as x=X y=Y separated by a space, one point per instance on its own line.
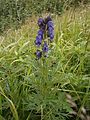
x=45 y=27
x=49 y=28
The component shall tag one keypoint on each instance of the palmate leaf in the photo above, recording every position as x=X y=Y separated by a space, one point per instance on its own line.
x=53 y=103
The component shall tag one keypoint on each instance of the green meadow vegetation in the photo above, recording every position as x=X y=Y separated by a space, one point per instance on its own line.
x=31 y=89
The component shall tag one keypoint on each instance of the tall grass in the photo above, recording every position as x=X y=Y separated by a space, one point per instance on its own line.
x=33 y=90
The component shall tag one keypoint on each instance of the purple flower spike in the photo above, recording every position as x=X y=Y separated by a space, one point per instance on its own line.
x=45 y=47
x=50 y=24
x=49 y=33
x=38 y=40
x=40 y=32
x=50 y=29
x=51 y=36
x=45 y=26
x=40 y=22
x=48 y=18
x=38 y=54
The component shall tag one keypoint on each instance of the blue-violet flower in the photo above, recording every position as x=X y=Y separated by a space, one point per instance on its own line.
x=45 y=47
x=38 y=54
x=50 y=24
x=47 y=19
x=38 y=40
x=40 y=32
x=40 y=22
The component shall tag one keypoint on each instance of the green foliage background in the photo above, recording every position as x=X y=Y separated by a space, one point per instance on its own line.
x=14 y=12
x=33 y=90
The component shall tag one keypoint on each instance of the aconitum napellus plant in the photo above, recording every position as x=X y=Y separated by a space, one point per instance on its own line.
x=45 y=35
